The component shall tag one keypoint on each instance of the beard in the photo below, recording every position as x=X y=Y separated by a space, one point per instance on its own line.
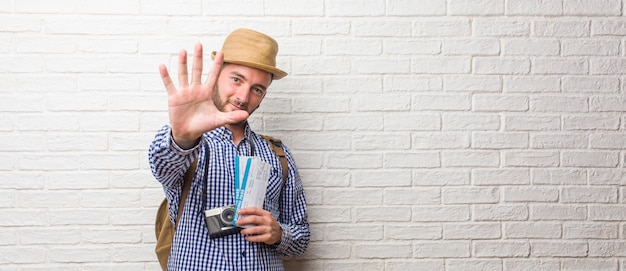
x=221 y=104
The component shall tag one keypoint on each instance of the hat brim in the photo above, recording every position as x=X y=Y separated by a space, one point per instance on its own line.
x=278 y=74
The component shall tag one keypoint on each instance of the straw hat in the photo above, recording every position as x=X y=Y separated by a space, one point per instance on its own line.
x=253 y=49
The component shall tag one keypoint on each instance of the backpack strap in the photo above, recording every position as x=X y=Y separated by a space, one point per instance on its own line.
x=186 y=186
x=277 y=146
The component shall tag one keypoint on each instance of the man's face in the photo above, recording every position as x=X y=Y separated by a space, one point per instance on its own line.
x=240 y=88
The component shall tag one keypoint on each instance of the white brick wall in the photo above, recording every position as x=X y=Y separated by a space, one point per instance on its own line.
x=436 y=135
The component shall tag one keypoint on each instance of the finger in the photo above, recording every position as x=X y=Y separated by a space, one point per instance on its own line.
x=236 y=116
x=167 y=81
x=216 y=69
x=196 y=70
x=182 y=68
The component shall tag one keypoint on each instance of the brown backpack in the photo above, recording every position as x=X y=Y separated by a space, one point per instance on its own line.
x=163 y=227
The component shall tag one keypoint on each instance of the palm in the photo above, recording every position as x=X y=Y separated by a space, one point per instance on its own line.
x=190 y=107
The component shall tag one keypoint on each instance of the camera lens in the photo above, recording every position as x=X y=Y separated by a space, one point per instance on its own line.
x=228 y=215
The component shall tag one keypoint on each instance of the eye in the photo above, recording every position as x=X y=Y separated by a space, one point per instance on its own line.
x=259 y=91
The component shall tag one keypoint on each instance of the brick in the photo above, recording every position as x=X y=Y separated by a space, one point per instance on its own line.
x=441 y=65
x=607 y=176
x=383 y=250
x=416 y=265
x=590 y=85
x=316 y=66
x=531 y=123
x=320 y=214
x=412 y=232
x=608 y=27
x=590 y=230
x=530 y=194
x=79 y=253
x=559 y=104
x=531 y=264
x=559 y=66
x=328 y=250
x=348 y=47
x=558 y=249
x=111 y=7
x=344 y=197
x=532 y=230
x=54 y=236
x=416 y=196
x=352 y=122
x=412 y=83
x=559 y=141
x=382 y=103
x=416 y=8
x=592 y=8
x=381 y=28
x=607 y=104
x=441 y=213
x=233 y=8
x=382 y=214
x=496 y=140
x=441 y=140
x=473 y=265
x=501 y=28
x=589 y=195
x=442 y=28
x=23 y=255
x=46 y=45
x=507 y=249
x=353 y=85
x=590 y=264
x=291 y=8
x=476 y=121
x=355 y=8
x=439 y=177
x=472 y=231
x=493 y=212
x=482 y=83
x=532 y=84
x=411 y=47
x=559 y=176
x=368 y=161
x=607 y=66
x=590 y=47
x=293 y=122
x=470 y=159
x=473 y=7
x=531 y=47
x=421 y=122
x=611 y=212
x=348 y=266
x=561 y=28
x=558 y=212
x=483 y=47
x=470 y=195
x=411 y=160
x=381 y=66
x=500 y=176
x=385 y=179
x=353 y=232
x=534 y=7
x=441 y=249
x=42 y=6
x=531 y=158
x=489 y=65
x=321 y=26
x=591 y=122
x=450 y=102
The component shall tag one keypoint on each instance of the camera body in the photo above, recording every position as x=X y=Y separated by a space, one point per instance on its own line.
x=219 y=221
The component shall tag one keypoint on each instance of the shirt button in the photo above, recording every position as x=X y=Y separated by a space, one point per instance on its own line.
x=243 y=254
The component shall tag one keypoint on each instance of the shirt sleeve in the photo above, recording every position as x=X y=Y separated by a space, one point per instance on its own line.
x=168 y=161
x=293 y=214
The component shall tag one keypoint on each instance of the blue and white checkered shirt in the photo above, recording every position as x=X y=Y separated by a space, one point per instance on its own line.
x=192 y=249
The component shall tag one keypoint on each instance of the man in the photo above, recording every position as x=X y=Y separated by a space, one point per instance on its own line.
x=208 y=121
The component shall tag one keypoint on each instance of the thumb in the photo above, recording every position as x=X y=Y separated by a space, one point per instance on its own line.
x=235 y=116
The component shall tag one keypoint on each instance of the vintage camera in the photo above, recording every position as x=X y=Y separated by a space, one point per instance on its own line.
x=219 y=221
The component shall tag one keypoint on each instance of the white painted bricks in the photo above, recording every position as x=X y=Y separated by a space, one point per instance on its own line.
x=436 y=135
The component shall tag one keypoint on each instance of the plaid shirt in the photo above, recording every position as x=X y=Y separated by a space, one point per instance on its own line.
x=192 y=249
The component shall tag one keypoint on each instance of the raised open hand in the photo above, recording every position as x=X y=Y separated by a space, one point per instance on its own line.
x=191 y=109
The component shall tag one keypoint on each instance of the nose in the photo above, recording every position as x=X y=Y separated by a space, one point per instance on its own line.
x=242 y=94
